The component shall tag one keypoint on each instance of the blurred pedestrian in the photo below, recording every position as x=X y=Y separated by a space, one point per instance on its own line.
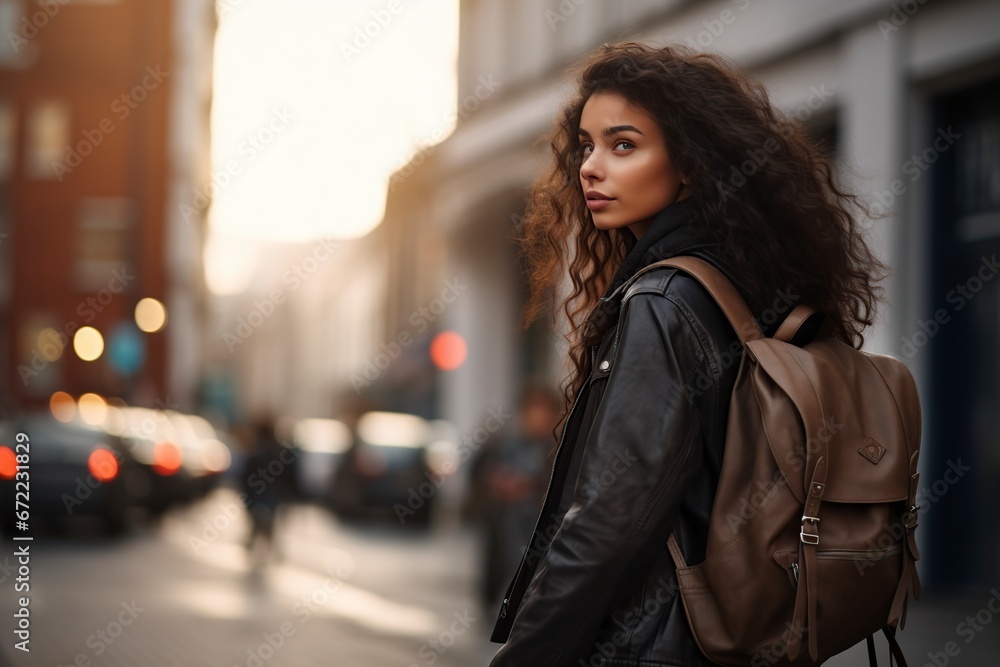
x=268 y=482
x=509 y=478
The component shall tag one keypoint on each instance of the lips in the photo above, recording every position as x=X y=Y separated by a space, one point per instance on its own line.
x=598 y=200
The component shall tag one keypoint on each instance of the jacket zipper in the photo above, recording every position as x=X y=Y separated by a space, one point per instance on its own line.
x=618 y=327
x=614 y=348
x=552 y=473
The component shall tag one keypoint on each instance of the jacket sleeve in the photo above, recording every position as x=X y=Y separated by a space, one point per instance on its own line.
x=639 y=459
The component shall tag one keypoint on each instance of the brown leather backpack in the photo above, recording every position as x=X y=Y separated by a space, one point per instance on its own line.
x=811 y=537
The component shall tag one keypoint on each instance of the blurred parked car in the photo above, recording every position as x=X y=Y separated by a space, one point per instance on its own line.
x=320 y=445
x=179 y=457
x=203 y=456
x=396 y=466
x=74 y=469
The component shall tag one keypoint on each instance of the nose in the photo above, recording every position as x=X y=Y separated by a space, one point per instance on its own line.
x=592 y=169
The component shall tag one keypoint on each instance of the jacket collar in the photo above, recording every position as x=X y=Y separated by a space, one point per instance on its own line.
x=669 y=235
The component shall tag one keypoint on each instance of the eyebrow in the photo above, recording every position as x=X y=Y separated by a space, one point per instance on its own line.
x=608 y=131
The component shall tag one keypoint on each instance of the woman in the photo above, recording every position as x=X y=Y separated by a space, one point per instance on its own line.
x=663 y=152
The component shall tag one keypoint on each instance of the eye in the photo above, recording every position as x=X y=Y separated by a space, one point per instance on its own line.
x=629 y=144
x=582 y=148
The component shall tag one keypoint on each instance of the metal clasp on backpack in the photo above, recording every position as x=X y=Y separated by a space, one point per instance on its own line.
x=809 y=538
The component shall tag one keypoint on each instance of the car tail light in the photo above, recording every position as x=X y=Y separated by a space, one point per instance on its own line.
x=102 y=465
x=166 y=458
x=8 y=463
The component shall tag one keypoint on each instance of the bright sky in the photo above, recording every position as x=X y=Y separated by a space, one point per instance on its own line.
x=316 y=103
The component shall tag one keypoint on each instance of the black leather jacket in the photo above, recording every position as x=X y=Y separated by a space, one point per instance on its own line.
x=639 y=456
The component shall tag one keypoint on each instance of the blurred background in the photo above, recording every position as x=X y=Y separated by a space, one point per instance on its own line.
x=259 y=307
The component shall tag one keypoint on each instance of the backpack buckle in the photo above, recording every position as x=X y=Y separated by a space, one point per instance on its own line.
x=812 y=537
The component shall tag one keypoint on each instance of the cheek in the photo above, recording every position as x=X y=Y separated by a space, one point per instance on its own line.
x=653 y=181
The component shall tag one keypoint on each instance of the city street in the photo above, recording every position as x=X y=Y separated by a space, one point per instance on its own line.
x=364 y=596
x=187 y=593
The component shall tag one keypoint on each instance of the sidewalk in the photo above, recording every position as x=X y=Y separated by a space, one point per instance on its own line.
x=940 y=631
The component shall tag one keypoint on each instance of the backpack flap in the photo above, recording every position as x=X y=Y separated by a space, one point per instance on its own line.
x=851 y=410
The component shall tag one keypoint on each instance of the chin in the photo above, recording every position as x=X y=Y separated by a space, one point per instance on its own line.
x=606 y=224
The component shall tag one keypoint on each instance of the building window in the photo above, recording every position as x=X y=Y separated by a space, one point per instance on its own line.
x=102 y=241
x=48 y=126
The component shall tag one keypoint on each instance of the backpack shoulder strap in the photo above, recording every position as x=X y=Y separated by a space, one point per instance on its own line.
x=803 y=324
x=723 y=291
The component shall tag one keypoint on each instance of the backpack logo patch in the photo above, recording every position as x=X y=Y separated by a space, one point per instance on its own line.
x=872 y=450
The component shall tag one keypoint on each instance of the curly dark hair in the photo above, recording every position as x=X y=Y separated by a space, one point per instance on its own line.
x=789 y=224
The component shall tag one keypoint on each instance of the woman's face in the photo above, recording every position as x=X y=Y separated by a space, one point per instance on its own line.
x=626 y=174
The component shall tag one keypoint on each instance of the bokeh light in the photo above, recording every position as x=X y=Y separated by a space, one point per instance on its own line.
x=102 y=465
x=166 y=458
x=448 y=350
x=8 y=463
x=88 y=343
x=150 y=315
x=93 y=409
x=63 y=406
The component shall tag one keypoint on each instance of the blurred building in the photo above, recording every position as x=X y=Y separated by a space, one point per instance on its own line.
x=908 y=95
x=104 y=119
x=328 y=324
